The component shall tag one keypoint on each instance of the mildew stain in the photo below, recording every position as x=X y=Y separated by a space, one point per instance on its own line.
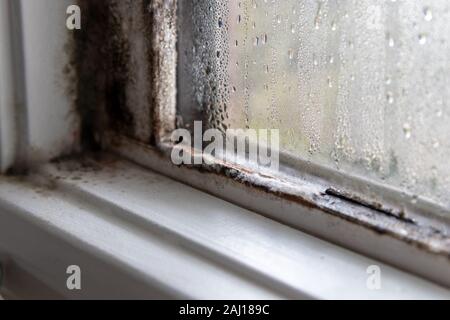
x=111 y=70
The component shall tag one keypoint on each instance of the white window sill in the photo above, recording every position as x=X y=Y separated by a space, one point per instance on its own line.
x=138 y=234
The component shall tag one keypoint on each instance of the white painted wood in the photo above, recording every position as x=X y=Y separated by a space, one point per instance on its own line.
x=37 y=116
x=151 y=236
x=52 y=120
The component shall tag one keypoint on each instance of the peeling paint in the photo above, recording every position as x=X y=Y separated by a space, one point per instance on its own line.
x=309 y=194
x=400 y=215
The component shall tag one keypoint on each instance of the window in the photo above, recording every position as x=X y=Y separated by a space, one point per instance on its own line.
x=354 y=93
x=357 y=89
x=360 y=87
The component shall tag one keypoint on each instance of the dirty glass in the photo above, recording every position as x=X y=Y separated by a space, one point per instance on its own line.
x=360 y=86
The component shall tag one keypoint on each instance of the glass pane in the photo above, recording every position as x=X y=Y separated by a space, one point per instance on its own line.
x=361 y=86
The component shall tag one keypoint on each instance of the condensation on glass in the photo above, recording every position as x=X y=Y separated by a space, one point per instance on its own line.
x=361 y=86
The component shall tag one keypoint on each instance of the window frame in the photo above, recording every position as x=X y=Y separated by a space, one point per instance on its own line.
x=417 y=242
x=305 y=205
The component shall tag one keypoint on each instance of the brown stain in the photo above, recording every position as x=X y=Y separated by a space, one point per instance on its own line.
x=352 y=198
x=383 y=221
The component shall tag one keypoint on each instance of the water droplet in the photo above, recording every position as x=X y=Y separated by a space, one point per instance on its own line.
x=317 y=24
x=407 y=130
x=428 y=15
x=330 y=82
x=278 y=19
x=264 y=39
x=388 y=81
x=333 y=26
x=331 y=59
x=318 y=17
x=391 y=41
x=422 y=39
x=436 y=144
x=291 y=54
x=390 y=97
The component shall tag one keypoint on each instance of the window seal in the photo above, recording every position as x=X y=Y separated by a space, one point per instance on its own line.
x=310 y=207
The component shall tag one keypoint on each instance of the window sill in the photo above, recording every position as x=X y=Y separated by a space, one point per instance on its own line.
x=138 y=234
